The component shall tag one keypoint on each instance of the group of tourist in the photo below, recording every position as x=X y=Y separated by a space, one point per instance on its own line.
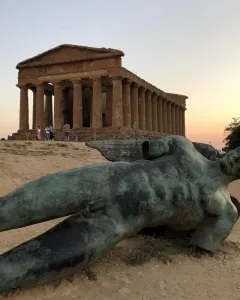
x=49 y=132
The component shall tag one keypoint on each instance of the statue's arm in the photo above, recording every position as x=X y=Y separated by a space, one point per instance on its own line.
x=153 y=149
x=208 y=151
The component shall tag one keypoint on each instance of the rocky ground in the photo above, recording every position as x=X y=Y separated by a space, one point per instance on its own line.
x=138 y=268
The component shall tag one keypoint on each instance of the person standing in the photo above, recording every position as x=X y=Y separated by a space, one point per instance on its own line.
x=67 y=129
x=51 y=136
x=47 y=132
x=38 y=133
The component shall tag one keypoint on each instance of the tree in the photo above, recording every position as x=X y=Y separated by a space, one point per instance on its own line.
x=232 y=132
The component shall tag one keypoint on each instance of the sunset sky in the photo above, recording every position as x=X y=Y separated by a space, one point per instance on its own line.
x=181 y=46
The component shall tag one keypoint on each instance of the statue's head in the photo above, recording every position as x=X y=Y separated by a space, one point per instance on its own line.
x=231 y=163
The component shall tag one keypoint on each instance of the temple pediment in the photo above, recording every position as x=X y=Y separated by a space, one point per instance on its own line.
x=68 y=53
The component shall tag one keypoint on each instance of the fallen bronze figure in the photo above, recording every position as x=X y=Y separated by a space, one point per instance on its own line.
x=172 y=185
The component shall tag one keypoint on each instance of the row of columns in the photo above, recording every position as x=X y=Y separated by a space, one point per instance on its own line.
x=42 y=114
x=127 y=104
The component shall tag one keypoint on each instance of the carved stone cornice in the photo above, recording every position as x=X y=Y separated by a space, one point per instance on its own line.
x=48 y=63
x=95 y=53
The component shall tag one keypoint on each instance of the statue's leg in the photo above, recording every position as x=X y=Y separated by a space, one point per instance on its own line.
x=62 y=250
x=215 y=229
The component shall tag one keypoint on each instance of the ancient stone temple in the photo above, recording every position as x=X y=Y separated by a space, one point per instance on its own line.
x=88 y=88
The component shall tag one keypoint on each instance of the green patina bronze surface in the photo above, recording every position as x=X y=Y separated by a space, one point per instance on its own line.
x=172 y=185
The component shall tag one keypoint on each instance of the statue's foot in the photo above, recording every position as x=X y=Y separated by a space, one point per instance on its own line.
x=215 y=229
x=197 y=251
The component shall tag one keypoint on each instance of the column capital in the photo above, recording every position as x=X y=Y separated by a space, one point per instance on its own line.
x=127 y=81
x=41 y=84
x=142 y=89
x=148 y=92
x=57 y=82
x=33 y=89
x=164 y=100
x=76 y=81
x=22 y=86
x=134 y=84
x=154 y=95
x=96 y=78
x=116 y=77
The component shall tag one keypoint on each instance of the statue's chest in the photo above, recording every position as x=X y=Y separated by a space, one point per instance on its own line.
x=190 y=200
x=190 y=196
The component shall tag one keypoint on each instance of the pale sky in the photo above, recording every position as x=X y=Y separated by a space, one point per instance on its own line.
x=188 y=47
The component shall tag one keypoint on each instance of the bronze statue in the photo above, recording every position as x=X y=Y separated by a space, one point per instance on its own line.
x=173 y=185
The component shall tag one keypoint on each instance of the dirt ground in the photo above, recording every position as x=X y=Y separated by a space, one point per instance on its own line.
x=138 y=268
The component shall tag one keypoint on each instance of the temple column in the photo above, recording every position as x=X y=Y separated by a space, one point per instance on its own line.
x=109 y=106
x=58 y=107
x=164 y=115
x=97 y=103
x=141 y=109
x=117 y=106
x=154 y=113
x=77 y=105
x=177 y=119
x=91 y=106
x=148 y=103
x=40 y=117
x=134 y=105
x=24 y=112
x=48 y=109
x=126 y=95
x=180 y=121
x=34 y=109
x=169 y=118
x=183 y=121
x=160 y=117
x=173 y=119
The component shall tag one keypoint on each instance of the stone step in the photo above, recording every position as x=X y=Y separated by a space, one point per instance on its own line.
x=90 y=134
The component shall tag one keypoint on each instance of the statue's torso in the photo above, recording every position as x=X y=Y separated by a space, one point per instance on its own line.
x=184 y=185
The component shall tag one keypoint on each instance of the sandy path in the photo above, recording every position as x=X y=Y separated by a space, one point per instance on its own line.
x=173 y=275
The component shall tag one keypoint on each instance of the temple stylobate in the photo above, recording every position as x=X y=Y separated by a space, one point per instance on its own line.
x=88 y=88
